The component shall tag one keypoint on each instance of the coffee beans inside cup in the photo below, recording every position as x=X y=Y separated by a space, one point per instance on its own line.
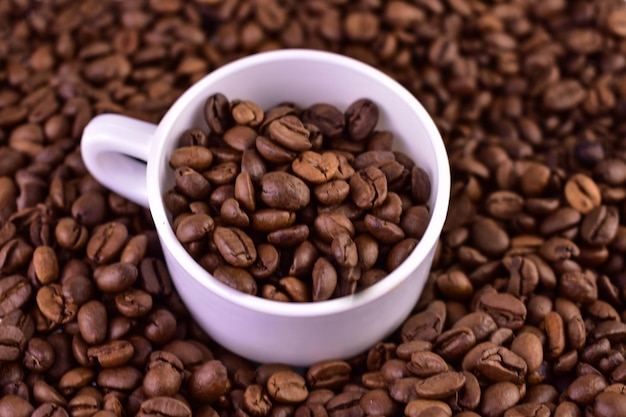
x=296 y=204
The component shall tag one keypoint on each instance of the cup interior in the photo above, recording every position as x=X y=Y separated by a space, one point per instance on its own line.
x=305 y=77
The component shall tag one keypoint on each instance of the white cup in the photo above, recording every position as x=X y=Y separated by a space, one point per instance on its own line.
x=131 y=158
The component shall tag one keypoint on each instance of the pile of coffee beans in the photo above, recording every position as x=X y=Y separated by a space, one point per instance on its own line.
x=524 y=311
x=296 y=204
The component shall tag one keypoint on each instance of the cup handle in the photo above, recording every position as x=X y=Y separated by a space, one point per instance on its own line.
x=115 y=150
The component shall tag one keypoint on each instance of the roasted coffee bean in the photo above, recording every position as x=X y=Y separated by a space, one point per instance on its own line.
x=328 y=374
x=236 y=278
x=13 y=405
x=283 y=191
x=164 y=406
x=12 y=341
x=113 y=354
x=106 y=242
x=506 y=310
x=15 y=291
x=287 y=387
x=440 y=386
x=324 y=276
x=235 y=246
x=361 y=118
x=253 y=163
x=288 y=131
x=116 y=277
x=217 y=113
x=599 y=225
x=496 y=363
x=368 y=187
x=208 y=381
x=133 y=303
x=92 y=322
x=53 y=306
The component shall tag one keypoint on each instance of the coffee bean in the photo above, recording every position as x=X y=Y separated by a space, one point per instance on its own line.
x=15 y=291
x=314 y=167
x=326 y=117
x=498 y=398
x=133 y=303
x=281 y=190
x=506 y=310
x=599 y=225
x=287 y=387
x=195 y=157
x=217 y=113
x=235 y=246
x=236 y=278
x=368 y=187
x=106 y=242
x=328 y=374
x=92 y=322
x=164 y=406
x=208 y=381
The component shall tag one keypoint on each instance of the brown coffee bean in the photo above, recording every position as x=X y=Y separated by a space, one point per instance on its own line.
x=287 y=387
x=133 y=303
x=192 y=183
x=378 y=402
x=584 y=389
x=15 y=291
x=330 y=374
x=288 y=131
x=582 y=193
x=46 y=264
x=441 y=385
x=106 y=242
x=236 y=278
x=240 y=137
x=155 y=278
x=368 y=187
x=115 y=277
x=195 y=157
x=289 y=236
x=235 y=246
x=92 y=322
x=54 y=306
x=13 y=405
x=600 y=225
x=361 y=115
x=425 y=364
x=314 y=167
x=384 y=231
x=506 y=310
x=217 y=113
x=499 y=397
x=326 y=117
x=454 y=343
x=164 y=406
x=496 y=363
x=399 y=252
x=14 y=254
x=420 y=407
x=426 y=325
x=324 y=276
x=529 y=347
x=555 y=333
x=12 y=342
x=281 y=190
x=332 y=192
x=112 y=354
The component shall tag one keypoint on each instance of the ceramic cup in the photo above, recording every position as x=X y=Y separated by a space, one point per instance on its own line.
x=131 y=158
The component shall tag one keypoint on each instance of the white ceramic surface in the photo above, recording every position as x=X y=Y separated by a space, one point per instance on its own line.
x=114 y=146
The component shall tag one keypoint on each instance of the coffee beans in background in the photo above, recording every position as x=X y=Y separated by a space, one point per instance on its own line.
x=274 y=204
x=528 y=97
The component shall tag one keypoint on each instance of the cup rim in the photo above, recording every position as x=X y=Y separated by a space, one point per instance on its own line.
x=438 y=210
